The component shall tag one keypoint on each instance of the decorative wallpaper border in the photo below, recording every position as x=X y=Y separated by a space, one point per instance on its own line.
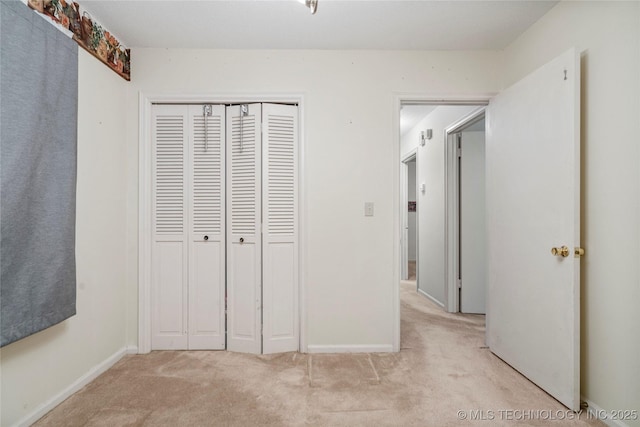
x=88 y=33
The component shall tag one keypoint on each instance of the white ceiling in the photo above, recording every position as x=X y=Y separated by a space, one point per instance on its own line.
x=338 y=24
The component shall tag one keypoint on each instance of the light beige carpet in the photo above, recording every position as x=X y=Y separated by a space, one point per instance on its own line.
x=443 y=369
x=412 y=270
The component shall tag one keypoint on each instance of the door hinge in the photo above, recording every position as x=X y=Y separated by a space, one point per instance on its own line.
x=459 y=152
x=459 y=283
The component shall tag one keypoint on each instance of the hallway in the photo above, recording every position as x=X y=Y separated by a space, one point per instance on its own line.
x=442 y=375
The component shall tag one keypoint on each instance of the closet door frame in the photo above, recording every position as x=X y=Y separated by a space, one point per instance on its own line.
x=145 y=158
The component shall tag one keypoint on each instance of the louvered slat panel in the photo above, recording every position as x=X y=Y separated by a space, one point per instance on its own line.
x=243 y=175
x=280 y=203
x=280 y=241
x=169 y=174
x=207 y=175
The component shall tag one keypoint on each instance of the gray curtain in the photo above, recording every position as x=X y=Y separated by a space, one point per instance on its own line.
x=38 y=138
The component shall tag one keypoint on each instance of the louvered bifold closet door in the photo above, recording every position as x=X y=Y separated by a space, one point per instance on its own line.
x=207 y=228
x=280 y=228
x=243 y=230
x=169 y=222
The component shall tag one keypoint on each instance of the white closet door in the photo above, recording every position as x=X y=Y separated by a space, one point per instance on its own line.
x=169 y=248
x=207 y=226
x=280 y=223
x=244 y=319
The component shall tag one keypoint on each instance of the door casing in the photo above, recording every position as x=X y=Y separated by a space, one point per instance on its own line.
x=145 y=102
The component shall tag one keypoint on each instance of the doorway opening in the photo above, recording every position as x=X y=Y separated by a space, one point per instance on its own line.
x=409 y=218
x=427 y=133
x=532 y=197
x=465 y=212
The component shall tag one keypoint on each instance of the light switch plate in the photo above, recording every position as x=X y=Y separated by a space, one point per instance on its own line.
x=368 y=208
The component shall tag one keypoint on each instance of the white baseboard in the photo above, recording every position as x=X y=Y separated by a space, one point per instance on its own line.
x=91 y=375
x=424 y=294
x=355 y=348
x=596 y=412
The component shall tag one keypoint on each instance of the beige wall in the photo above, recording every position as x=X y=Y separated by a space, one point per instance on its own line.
x=40 y=367
x=348 y=152
x=348 y=159
x=608 y=35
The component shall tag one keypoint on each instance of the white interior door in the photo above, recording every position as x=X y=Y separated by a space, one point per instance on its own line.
x=244 y=257
x=472 y=223
x=280 y=228
x=169 y=251
x=533 y=189
x=207 y=228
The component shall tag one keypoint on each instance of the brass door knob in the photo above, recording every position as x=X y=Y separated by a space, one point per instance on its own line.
x=562 y=251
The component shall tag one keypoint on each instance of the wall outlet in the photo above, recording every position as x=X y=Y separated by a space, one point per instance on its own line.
x=368 y=208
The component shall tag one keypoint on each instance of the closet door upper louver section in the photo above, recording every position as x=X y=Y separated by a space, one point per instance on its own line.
x=169 y=134
x=244 y=175
x=280 y=145
x=207 y=171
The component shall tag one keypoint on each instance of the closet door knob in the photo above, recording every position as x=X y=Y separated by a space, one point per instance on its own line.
x=242 y=240
x=206 y=238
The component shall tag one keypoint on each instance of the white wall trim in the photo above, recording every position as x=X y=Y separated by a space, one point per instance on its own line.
x=144 y=223
x=411 y=155
x=400 y=99
x=596 y=412
x=430 y=298
x=76 y=386
x=144 y=198
x=451 y=214
x=353 y=348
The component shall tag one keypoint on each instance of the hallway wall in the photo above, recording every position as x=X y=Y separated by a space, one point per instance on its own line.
x=431 y=218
